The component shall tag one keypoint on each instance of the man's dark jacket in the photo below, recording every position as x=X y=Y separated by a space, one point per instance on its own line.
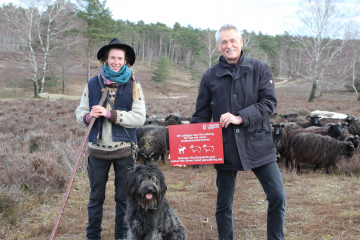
x=248 y=92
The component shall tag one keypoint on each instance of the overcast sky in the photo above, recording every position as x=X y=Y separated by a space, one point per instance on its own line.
x=267 y=16
x=256 y=15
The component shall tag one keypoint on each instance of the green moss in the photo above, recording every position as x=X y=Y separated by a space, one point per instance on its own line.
x=178 y=185
x=348 y=214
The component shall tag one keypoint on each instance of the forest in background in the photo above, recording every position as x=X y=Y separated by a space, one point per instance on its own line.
x=323 y=47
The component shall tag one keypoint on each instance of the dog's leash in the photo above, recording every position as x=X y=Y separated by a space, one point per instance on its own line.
x=133 y=148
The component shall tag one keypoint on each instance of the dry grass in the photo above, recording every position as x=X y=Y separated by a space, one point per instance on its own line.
x=319 y=206
x=39 y=140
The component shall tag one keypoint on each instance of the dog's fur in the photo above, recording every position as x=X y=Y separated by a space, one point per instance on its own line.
x=149 y=215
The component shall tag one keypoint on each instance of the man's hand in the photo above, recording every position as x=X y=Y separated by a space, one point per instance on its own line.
x=228 y=118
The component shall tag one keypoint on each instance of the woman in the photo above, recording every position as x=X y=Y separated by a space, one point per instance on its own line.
x=115 y=123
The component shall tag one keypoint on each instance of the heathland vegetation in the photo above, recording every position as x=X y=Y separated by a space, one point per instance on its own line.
x=40 y=137
x=40 y=140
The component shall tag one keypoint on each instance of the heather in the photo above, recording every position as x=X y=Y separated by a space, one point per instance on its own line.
x=40 y=140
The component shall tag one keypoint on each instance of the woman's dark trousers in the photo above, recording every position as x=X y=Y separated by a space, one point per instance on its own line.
x=271 y=181
x=98 y=171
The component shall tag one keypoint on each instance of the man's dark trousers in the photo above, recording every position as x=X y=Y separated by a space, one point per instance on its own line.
x=98 y=171
x=271 y=181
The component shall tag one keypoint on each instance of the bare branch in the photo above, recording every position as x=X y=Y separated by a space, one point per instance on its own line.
x=321 y=33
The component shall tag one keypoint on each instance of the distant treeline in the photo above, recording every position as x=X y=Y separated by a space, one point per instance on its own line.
x=183 y=45
x=81 y=29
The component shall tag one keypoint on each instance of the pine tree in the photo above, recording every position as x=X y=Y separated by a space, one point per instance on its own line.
x=162 y=70
x=99 y=25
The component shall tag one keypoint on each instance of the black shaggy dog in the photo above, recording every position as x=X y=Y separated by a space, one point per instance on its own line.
x=149 y=215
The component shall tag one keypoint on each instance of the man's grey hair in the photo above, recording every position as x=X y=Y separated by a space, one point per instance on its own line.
x=226 y=27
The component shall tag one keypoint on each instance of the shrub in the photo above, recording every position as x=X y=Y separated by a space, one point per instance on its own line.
x=351 y=89
x=350 y=166
x=38 y=174
x=10 y=205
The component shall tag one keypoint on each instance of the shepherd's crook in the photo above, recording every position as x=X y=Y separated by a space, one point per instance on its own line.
x=103 y=97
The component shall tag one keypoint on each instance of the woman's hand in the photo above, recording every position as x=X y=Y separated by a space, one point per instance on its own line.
x=97 y=111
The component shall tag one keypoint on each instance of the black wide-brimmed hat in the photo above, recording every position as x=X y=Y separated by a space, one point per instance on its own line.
x=116 y=43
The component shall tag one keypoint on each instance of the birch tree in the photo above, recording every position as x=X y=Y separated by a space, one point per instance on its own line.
x=57 y=20
x=207 y=56
x=248 y=42
x=39 y=27
x=321 y=32
x=24 y=21
x=354 y=51
x=210 y=47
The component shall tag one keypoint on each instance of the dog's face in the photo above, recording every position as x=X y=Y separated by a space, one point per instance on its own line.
x=146 y=186
x=148 y=189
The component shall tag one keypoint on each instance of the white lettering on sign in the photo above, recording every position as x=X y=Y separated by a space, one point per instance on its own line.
x=195 y=140
x=212 y=126
x=206 y=134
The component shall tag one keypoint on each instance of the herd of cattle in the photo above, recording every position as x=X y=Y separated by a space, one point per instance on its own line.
x=320 y=138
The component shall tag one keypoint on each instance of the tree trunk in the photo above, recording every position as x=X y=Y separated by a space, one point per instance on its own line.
x=280 y=62
x=45 y=57
x=313 y=92
x=64 y=80
x=88 y=67
x=353 y=81
x=161 y=37
x=143 y=51
x=36 y=89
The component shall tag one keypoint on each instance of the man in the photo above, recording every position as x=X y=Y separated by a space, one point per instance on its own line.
x=239 y=92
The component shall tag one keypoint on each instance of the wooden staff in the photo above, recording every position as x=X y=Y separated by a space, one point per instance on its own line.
x=102 y=100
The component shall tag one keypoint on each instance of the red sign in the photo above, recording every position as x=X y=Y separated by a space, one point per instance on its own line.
x=198 y=143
